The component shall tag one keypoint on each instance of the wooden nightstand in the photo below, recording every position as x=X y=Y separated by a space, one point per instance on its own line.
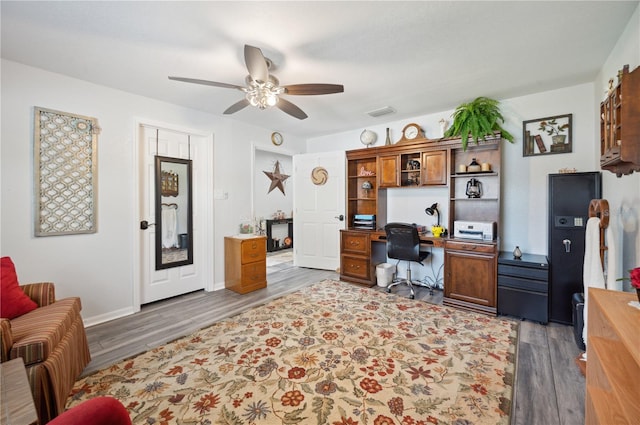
x=17 y=401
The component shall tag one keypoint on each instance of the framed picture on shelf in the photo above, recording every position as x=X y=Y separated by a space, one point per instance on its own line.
x=549 y=135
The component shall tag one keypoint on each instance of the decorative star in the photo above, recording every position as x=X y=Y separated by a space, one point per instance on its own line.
x=277 y=178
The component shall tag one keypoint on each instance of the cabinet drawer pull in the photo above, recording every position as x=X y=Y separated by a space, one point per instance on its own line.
x=353 y=266
x=354 y=243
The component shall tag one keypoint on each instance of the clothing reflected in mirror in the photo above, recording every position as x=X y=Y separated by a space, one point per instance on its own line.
x=173 y=205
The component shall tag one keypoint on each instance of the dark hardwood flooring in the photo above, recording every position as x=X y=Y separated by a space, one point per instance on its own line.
x=549 y=387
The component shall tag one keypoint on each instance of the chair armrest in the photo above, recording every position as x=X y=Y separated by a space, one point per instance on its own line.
x=6 y=339
x=42 y=293
x=95 y=411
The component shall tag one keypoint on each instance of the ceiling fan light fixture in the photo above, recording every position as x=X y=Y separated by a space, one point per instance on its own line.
x=263 y=95
x=263 y=90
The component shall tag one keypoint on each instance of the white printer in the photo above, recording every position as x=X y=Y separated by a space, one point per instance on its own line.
x=482 y=230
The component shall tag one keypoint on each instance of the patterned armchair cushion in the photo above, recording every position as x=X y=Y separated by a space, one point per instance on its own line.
x=42 y=293
x=6 y=339
x=37 y=333
x=13 y=301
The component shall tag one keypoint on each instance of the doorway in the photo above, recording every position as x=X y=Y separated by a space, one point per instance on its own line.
x=267 y=202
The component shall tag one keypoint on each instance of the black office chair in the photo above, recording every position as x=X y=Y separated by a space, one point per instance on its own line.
x=403 y=244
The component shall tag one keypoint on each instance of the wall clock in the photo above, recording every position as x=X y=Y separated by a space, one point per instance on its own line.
x=276 y=138
x=411 y=132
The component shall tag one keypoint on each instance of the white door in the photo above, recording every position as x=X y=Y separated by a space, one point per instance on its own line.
x=166 y=283
x=318 y=204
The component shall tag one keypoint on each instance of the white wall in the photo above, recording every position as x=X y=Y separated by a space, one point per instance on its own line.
x=99 y=267
x=622 y=193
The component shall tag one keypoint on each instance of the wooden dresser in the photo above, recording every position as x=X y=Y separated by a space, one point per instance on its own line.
x=245 y=263
x=613 y=359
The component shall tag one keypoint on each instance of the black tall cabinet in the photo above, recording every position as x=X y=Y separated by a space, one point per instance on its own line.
x=569 y=198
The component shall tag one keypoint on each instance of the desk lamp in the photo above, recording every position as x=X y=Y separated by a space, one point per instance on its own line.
x=433 y=209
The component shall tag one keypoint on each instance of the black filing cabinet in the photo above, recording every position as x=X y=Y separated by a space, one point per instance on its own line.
x=523 y=286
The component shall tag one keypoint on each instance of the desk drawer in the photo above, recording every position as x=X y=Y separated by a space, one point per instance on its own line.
x=524 y=304
x=523 y=284
x=470 y=246
x=357 y=267
x=355 y=243
x=524 y=272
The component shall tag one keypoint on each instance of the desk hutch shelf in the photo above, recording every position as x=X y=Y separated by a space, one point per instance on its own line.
x=425 y=163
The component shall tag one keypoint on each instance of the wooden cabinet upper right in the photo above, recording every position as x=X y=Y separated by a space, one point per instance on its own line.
x=620 y=125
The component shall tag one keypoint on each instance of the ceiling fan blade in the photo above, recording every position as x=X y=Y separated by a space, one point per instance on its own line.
x=291 y=109
x=206 y=83
x=256 y=64
x=236 y=107
x=313 y=89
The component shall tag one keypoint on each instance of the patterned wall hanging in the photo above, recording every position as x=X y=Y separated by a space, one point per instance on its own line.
x=277 y=178
x=319 y=176
x=65 y=156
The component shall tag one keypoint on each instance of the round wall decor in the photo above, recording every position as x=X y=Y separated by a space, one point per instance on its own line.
x=319 y=176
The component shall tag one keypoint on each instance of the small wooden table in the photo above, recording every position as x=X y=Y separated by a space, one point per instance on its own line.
x=17 y=400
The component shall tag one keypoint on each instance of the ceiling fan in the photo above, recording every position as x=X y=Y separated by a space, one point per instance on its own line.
x=263 y=89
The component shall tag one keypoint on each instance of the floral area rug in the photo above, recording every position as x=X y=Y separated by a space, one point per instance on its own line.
x=333 y=353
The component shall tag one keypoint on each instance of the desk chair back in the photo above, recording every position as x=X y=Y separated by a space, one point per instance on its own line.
x=403 y=242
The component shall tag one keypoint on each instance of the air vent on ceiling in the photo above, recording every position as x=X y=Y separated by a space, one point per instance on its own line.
x=386 y=110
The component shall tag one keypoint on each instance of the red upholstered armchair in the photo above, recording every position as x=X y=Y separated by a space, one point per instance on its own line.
x=95 y=411
x=52 y=341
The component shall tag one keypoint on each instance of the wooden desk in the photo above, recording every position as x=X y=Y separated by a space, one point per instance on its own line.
x=362 y=250
x=17 y=401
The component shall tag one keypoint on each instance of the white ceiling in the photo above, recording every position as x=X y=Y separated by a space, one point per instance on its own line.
x=419 y=57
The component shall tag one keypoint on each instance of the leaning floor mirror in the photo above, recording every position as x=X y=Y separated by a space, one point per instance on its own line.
x=174 y=224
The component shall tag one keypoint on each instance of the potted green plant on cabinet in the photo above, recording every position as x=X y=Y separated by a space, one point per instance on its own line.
x=476 y=120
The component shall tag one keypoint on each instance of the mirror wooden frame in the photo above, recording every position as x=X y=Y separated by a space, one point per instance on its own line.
x=173 y=189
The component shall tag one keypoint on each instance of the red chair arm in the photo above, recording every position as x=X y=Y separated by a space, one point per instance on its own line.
x=95 y=411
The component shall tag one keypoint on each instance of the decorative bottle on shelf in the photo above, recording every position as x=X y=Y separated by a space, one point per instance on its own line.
x=474 y=167
x=388 y=140
x=517 y=254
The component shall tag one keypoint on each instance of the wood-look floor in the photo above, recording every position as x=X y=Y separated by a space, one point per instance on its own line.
x=549 y=387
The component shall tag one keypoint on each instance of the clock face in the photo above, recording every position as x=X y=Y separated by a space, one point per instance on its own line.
x=276 y=138
x=411 y=132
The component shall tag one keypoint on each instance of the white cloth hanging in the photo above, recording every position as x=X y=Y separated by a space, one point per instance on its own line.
x=612 y=260
x=169 y=227
x=592 y=275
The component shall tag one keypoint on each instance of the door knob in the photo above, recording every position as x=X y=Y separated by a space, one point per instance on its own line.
x=567 y=245
x=144 y=224
x=340 y=217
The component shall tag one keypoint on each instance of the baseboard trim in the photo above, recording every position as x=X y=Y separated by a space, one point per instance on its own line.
x=96 y=320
